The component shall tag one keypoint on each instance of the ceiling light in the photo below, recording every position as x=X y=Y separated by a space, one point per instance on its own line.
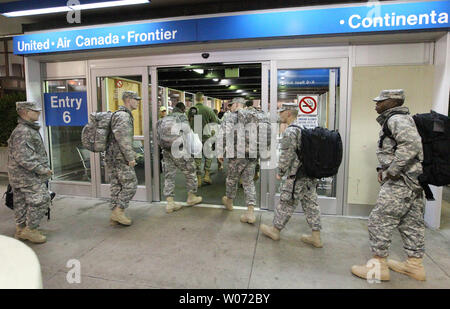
x=26 y=8
x=239 y=90
x=216 y=79
x=61 y=87
x=199 y=71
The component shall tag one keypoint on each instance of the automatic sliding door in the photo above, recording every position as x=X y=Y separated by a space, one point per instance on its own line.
x=219 y=83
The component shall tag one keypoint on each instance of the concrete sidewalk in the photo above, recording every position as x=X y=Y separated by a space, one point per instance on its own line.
x=209 y=248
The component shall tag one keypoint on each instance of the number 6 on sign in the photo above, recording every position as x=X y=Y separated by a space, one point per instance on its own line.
x=66 y=117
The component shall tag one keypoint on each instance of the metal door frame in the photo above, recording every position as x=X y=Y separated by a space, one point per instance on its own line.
x=102 y=190
x=328 y=205
x=153 y=73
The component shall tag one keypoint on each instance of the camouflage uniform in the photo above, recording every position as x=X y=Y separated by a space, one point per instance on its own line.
x=28 y=169
x=185 y=165
x=238 y=168
x=400 y=202
x=118 y=154
x=294 y=190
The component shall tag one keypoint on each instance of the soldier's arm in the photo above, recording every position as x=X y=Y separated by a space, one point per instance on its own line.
x=122 y=130
x=26 y=155
x=409 y=143
x=288 y=153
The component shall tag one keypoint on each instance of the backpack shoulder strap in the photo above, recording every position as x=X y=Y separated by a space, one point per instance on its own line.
x=386 y=131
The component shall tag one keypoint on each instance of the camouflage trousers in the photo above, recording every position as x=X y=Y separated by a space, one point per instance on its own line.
x=186 y=166
x=398 y=207
x=31 y=204
x=208 y=161
x=123 y=184
x=198 y=165
x=304 y=191
x=242 y=169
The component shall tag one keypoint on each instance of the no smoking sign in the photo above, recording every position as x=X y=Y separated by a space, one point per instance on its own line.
x=307 y=105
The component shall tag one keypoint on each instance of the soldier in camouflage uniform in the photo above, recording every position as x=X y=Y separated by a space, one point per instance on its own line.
x=400 y=202
x=185 y=165
x=121 y=158
x=294 y=189
x=28 y=172
x=208 y=116
x=238 y=168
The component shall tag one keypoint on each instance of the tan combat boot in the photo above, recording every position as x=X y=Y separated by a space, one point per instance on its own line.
x=207 y=178
x=249 y=216
x=364 y=271
x=118 y=216
x=32 y=235
x=171 y=205
x=228 y=202
x=313 y=239
x=19 y=230
x=199 y=181
x=270 y=231
x=412 y=267
x=193 y=199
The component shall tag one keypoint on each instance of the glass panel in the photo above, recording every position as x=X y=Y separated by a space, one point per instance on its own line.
x=69 y=160
x=109 y=98
x=318 y=90
x=220 y=84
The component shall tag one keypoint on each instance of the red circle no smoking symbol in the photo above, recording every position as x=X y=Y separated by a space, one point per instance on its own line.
x=119 y=84
x=307 y=105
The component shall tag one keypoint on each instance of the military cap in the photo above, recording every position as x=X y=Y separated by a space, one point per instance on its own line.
x=34 y=106
x=130 y=94
x=163 y=109
x=238 y=100
x=288 y=106
x=390 y=94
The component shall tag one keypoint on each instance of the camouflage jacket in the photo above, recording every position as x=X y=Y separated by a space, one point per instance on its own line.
x=27 y=159
x=120 y=147
x=208 y=116
x=289 y=163
x=402 y=154
x=228 y=133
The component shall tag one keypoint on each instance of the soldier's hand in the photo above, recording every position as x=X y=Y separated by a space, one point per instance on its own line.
x=49 y=173
x=278 y=177
x=220 y=160
x=380 y=176
x=132 y=163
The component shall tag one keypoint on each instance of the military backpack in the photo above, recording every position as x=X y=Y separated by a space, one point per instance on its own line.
x=95 y=135
x=258 y=131
x=170 y=128
x=320 y=152
x=434 y=129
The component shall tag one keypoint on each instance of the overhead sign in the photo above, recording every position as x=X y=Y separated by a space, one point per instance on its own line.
x=308 y=105
x=370 y=17
x=304 y=78
x=65 y=109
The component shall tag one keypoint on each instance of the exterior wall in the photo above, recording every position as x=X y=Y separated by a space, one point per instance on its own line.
x=417 y=81
x=371 y=68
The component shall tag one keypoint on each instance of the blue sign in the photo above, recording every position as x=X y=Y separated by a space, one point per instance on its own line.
x=65 y=109
x=368 y=18
x=305 y=78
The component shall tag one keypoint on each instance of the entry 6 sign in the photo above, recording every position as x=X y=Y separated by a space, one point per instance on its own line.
x=65 y=109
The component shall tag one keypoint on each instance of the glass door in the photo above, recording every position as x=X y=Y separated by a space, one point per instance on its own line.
x=219 y=83
x=107 y=88
x=318 y=87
